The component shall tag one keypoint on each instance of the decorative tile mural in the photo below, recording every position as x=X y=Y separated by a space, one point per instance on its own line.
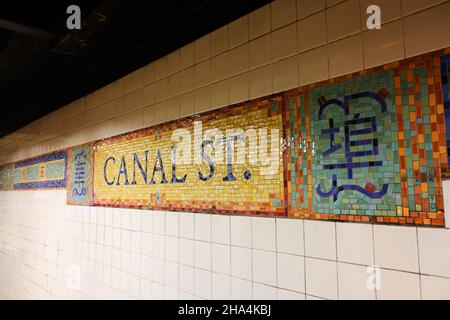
x=229 y=160
x=80 y=169
x=43 y=172
x=368 y=147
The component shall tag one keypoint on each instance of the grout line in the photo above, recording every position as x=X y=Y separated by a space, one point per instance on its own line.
x=374 y=262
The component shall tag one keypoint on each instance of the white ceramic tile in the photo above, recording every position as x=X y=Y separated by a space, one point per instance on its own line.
x=259 y=22
x=220 y=229
x=353 y=282
x=264 y=267
x=171 y=249
x=396 y=285
x=308 y=7
x=291 y=272
x=290 y=236
x=135 y=264
x=435 y=288
x=263 y=292
x=202 y=283
x=158 y=268
x=345 y=56
x=202 y=258
x=321 y=278
x=171 y=293
x=221 y=255
x=158 y=249
x=187 y=225
x=283 y=12
x=241 y=289
x=172 y=223
x=434 y=255
x=171 y=273
x=396 y=248
x=147 y=244
x=159 y=222
x=320 y=239
x=383 y=46
x=355 y=243
x=241 y=231
x=343 y=20
x=241 y=263
x=158 y=291
x=187 y=252
x=135 y=221
x=263 y=233
x=425 y=31
x=186 y=279
x=185 y=296
x=203 y=227
x=135 y=242
x=313 y=66
x=238 y=31
x=221 y=287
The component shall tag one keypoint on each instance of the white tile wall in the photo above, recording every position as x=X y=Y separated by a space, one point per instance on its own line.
x=154 y=254
x=121 y=263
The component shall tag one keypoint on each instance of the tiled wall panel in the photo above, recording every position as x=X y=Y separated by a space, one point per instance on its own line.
x=42 y=240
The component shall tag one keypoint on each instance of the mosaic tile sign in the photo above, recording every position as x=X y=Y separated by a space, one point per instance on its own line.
x=369 y=147
x=228 y=160
x=79 y=183
x=43 y=172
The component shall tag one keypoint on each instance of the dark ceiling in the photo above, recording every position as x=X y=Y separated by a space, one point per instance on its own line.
x=44 y=66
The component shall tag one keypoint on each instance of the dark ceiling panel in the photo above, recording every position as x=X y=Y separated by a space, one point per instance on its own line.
x=118 y=37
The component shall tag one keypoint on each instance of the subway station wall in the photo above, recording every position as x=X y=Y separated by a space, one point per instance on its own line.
x=333 y=103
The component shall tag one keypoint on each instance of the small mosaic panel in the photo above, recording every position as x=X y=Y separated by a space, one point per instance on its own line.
x=368 y=147
x=445 y=72
x=222 y=161
x=7 y=177
x=79 y=182
x=43 y=172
